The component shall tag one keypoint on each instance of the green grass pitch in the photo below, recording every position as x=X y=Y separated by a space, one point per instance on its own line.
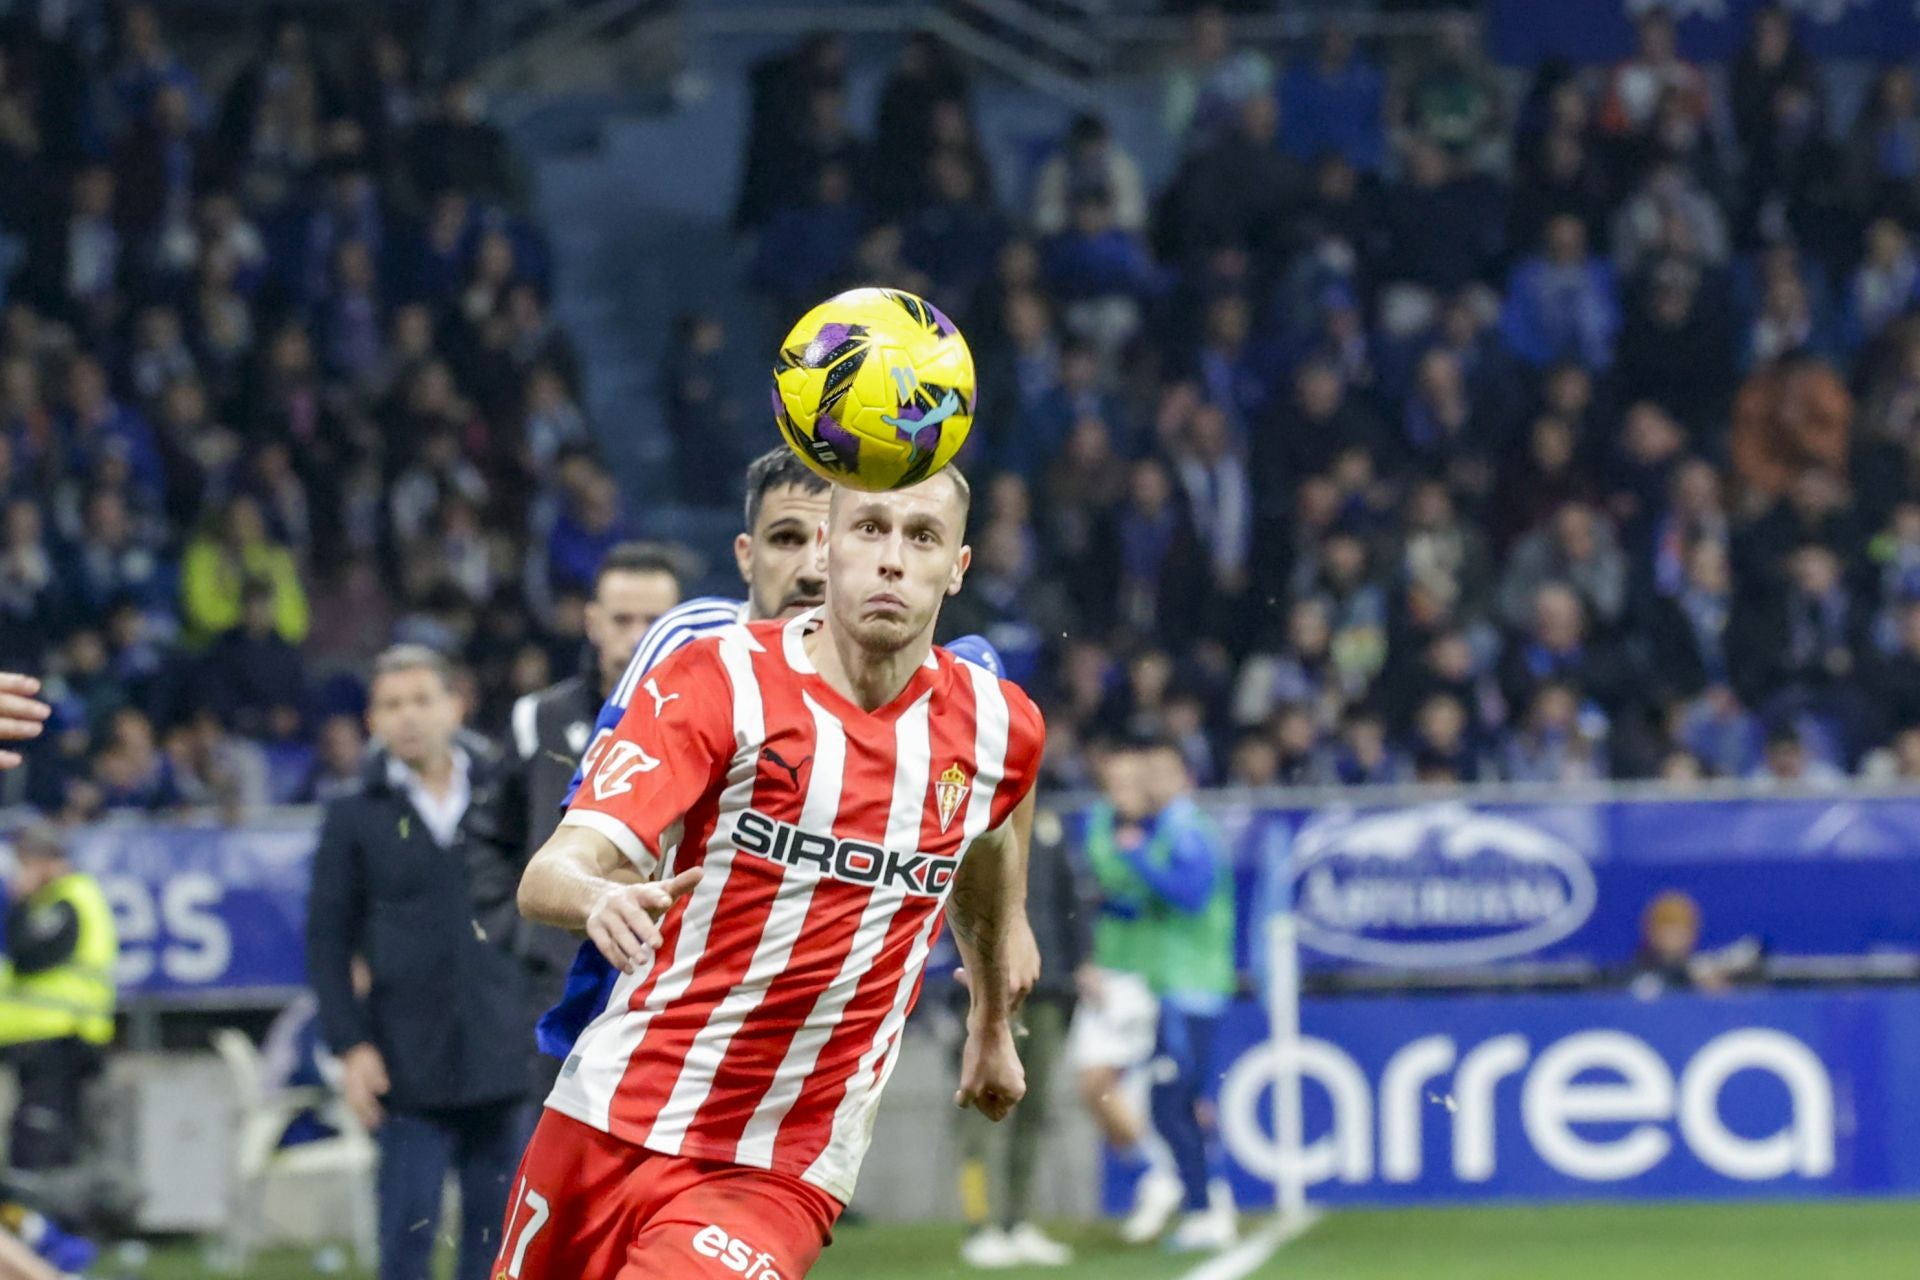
x=1875 y=1240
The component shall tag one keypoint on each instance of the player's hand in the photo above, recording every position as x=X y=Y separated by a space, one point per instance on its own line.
x=991 y=1077
x=22 y=715
x=624 y=923
x=363 y=1083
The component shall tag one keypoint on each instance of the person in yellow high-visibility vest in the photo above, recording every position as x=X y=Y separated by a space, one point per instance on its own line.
x=30 y=1246
x=56 y=1007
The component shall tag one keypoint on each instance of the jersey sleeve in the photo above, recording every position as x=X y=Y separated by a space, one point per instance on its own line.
x=604 y=724
x=671 y=744
x=674 y=631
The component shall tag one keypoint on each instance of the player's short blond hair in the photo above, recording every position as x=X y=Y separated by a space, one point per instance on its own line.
x=951 y=471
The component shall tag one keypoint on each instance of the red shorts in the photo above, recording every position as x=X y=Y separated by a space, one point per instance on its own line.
x=587 y=1206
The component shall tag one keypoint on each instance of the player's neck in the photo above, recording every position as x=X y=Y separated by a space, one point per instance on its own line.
x=868 y=679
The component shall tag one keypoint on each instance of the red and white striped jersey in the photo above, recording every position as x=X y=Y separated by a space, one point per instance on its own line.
x=764 y=1030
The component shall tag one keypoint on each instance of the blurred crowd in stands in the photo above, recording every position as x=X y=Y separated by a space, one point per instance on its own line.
x=1434 y=422
x=278 y=384
x=1431 y=423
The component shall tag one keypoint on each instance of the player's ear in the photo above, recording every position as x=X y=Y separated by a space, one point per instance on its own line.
x=820 y=545
x=961 y=563
x=743 y=555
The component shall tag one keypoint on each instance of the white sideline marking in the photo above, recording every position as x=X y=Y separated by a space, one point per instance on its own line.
x=1252 y=1253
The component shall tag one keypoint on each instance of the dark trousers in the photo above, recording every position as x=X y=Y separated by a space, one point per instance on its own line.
x=543 y=1071
x=49 y=1129
x=1003 y=1193
x=1186 y=1041
x=417 y=1150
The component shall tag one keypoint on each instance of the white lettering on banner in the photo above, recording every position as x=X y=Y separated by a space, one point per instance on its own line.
x=1430 y=902
x=202 y=945
x=1473 y=1086
x=1553 y=1100
x=1804 y=1147
x=1403 y=1099
x=1558 y=1092
x=174 y=928
x=1345 y=1151
x=137 y=923
x=1436 y=885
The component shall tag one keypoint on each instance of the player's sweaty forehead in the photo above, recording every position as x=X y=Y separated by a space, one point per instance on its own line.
x=938 y=499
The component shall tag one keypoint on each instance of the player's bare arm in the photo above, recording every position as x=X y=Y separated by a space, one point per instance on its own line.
x=1023 y=951
x=981 y=913
x=580 y=881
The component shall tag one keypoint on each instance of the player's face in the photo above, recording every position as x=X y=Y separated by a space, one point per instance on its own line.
x=624 y=605
x=780 y=556
x=415 y=714
x=892 y=558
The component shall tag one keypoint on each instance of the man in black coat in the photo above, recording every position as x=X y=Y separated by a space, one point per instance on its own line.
x=435 y=1051
x=635 y=584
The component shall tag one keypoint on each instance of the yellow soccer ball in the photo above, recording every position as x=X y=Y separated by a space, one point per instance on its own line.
x=874 y=389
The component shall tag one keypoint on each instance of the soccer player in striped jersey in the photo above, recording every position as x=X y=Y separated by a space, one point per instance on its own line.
x=778 y=558
x=765 y=848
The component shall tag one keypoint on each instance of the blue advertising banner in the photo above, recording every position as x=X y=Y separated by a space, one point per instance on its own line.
x=1452 y=1098
x=1428 y=886
x=1525 y=32
x=1453 y=885
x=204 y=910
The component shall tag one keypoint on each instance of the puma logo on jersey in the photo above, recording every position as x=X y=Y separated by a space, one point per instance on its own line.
x=735 y=1254
x=922 y=875
x=660 y=701
x=616 y=770
x=793 y=770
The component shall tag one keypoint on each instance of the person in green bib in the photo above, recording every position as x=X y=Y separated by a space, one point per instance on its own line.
x=1187 y=932
x=1117 y=1019
x=57 y=1002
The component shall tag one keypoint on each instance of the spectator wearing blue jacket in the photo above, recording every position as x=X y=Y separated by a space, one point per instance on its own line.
x=1563 y=303
x=589 y=527
x=1094 y=258
x=1335 y=103
x=99 y=427
x=111 y=560
x=804 y=248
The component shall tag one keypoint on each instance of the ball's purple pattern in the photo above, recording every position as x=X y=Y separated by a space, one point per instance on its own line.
x=846 y=445
x=925 y=438
x=824 y=344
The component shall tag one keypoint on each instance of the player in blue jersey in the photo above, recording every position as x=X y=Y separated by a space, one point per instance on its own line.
x=781 y=561
x=778 y=561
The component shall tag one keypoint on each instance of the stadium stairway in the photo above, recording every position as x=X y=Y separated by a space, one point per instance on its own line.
x=636 y=194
